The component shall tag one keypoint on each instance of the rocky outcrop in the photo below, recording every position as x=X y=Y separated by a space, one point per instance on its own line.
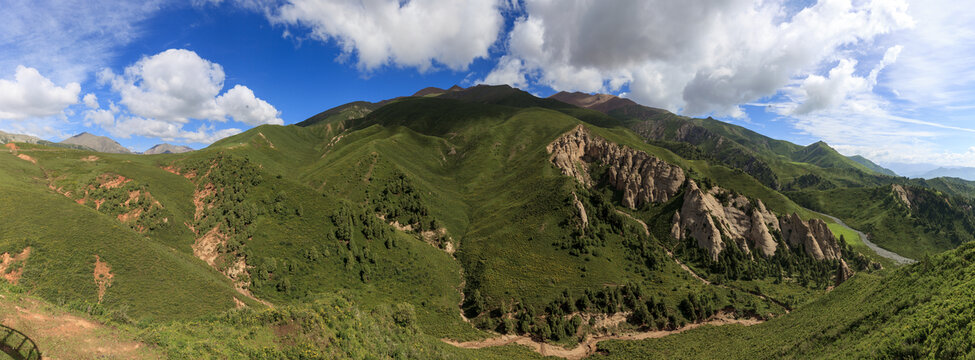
x=813 y=235
x=582 y=210
x=902 y=194
x=712 y=221
x=715 y=216
x=643 y=178
x=843 y=272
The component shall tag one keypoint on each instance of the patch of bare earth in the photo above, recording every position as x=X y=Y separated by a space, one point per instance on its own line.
x=90 y=158
x=176 y=170
x=109 y=181
x=103 y=277
x=269 y=144
x=61 y=335
x=27 y=158
x=199 y=200
x=12 y=266
x=588 y=346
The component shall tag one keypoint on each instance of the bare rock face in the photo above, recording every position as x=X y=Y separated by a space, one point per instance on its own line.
x=734 y=217
x=642 y=177
x=843 y=272
x=716 y=216
x=582 y=210
x=814 y=235
x=903 y=194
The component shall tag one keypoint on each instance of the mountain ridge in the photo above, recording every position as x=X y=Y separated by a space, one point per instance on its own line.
x=97 y=143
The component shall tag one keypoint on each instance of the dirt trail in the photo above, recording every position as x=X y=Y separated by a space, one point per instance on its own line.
x=588 y=346
x=64 y=336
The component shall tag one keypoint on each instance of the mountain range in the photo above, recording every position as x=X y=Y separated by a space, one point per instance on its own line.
x=488 y=223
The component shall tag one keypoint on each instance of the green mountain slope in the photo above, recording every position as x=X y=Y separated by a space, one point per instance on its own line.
x=460 y=214
x=920 y=311
x=872 y=166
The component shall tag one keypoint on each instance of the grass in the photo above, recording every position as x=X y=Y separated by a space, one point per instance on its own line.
x=918 y=311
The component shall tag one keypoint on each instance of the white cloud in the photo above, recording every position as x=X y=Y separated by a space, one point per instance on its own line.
x=31 y=95
x=91 y=101
x=177 y=85
x=701 y=56
x=174 y=85
x=127 y=126
x=509 y=71
x=417 y=33
x=241 y=104
x=162 y=93
x=103 y=118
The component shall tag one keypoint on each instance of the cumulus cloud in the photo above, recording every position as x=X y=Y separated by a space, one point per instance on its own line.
x=162 y=93
x=241 y=104
x=127 y=126
x=31 y=95
x=177 y=85
x=91 y=101
x=698 y=56
x=174 y=85
x=417 y=33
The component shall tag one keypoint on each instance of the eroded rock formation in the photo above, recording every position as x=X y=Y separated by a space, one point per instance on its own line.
x=643 y=178
x=712 y=221
x=711 y=217
x=717 y=215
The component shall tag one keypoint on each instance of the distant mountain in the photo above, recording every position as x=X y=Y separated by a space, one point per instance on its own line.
x=967 y=173
x=97 y=143
x=168 y=149
x=21 y=138
x=8 y=137
x=599 y=102
x=872 y=166
x=910 y=170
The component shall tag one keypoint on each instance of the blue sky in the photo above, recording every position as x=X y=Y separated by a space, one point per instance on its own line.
x=891 y=80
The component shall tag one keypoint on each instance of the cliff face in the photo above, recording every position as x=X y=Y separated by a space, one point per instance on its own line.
x=814 y=235
x=643 y=178
x=712 y=217
x=711 y=221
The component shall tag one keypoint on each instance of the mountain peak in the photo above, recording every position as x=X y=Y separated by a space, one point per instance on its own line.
x=599 y=102
x=97 y=143
x=165 y=148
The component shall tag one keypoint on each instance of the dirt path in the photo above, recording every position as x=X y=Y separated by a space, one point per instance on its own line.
x=588 y=346
x=60 y=335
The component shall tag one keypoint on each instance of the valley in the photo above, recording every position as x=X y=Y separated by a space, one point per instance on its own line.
x=480 y=223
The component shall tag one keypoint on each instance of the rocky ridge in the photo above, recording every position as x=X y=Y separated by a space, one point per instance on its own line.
x=643 y=178
x=711 y=217
x=714 y=216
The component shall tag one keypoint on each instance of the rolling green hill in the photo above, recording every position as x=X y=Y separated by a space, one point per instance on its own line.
x=463 y=215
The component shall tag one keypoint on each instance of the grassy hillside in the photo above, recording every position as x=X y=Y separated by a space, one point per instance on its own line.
x=919 y=311
x=377 y=229
x=931 y=223
x=150 y=279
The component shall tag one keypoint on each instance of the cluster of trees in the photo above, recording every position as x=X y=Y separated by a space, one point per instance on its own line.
x=231 y=178
x=603 y=222
x=150 y=217
x=565 y=316
x=734 y=264
x=399 y=200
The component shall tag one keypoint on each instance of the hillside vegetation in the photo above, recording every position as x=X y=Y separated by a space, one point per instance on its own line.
x=379 y=229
